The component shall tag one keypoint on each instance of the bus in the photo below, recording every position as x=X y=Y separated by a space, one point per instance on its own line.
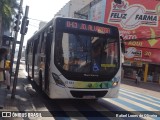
x=72 y=58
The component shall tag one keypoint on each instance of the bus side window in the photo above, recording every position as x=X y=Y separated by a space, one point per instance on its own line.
x=37 y=44
x=42 y=49
x=31 y=48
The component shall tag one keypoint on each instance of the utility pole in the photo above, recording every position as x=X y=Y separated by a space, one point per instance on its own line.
x=24 y=28
x=16 y=35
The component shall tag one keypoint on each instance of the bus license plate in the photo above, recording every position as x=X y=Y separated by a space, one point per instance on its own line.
x=89 y=97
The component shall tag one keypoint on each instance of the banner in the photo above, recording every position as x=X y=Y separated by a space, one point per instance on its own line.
x=142 y=54
x=137 y=20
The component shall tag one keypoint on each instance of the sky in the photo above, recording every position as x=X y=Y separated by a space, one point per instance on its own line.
x=40 y=10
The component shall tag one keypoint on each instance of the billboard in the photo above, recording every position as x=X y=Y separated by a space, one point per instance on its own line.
x=142 y=54
x=137 y=20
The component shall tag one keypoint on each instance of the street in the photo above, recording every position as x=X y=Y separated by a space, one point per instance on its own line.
x=132 y=100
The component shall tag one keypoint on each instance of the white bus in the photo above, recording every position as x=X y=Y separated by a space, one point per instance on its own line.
x=74 y=58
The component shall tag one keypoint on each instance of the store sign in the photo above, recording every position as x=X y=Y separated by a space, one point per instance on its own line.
x=136 y=20
x=132 y=16
x=142 y=54
x=132 y=52
x=6 y=40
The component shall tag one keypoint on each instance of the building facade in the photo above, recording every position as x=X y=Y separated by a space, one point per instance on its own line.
x=42 y=24
x=71 y=7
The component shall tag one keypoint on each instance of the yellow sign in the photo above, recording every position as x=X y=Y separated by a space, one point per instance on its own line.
x=7 y=64
x=152 y=41
x=108 y=65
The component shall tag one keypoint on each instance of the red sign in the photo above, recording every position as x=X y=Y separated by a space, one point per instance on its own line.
x=137 y=20
x=142 y=54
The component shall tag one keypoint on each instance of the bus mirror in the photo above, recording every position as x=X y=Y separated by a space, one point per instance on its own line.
x=122 y=45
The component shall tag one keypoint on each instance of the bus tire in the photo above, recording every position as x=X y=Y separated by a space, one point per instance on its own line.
x=40 y=80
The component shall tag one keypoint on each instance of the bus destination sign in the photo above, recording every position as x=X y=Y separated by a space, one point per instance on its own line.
x=87 y=27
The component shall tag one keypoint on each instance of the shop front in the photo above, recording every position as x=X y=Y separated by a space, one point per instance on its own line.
x=152 y=75
x=146 y=59
x=130 y=69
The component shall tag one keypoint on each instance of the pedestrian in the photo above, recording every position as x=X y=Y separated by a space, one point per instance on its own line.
x=138 y=76
x=7 y=74
x=3 y=53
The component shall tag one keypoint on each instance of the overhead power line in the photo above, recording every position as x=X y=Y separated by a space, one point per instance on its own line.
x=37 y=20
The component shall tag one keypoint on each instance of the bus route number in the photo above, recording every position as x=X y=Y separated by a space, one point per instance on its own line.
x=69 y=82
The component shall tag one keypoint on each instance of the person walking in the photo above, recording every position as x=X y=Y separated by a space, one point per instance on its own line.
x=138 y=76
x=3 y=53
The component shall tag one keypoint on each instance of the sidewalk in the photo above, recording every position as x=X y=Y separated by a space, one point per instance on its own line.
x=26 y=99
x=3 y=94
x=22 y=99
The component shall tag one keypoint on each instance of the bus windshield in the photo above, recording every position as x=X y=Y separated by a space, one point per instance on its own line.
x=87 y=53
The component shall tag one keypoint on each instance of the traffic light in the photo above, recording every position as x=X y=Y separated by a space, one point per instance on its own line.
x=24 y=26
x=17 y=22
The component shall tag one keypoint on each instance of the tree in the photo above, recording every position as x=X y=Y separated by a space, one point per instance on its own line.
x=7 y=10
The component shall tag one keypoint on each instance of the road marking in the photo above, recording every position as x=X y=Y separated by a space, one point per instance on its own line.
x=138 y=104
x=141 y=95
x=125 y=107
x=140 y=99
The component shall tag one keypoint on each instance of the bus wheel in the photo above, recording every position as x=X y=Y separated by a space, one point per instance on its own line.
x=40 y=80
x=29 y=78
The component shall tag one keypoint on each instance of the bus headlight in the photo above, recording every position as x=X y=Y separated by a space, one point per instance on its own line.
x=115 y=81
x=58 y=81
x=115 y=84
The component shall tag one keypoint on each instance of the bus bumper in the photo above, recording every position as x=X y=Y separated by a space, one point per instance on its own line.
x=58 y=92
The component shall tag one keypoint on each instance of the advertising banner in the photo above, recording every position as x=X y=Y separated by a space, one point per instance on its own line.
x=137 y=20
x=142 y=54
